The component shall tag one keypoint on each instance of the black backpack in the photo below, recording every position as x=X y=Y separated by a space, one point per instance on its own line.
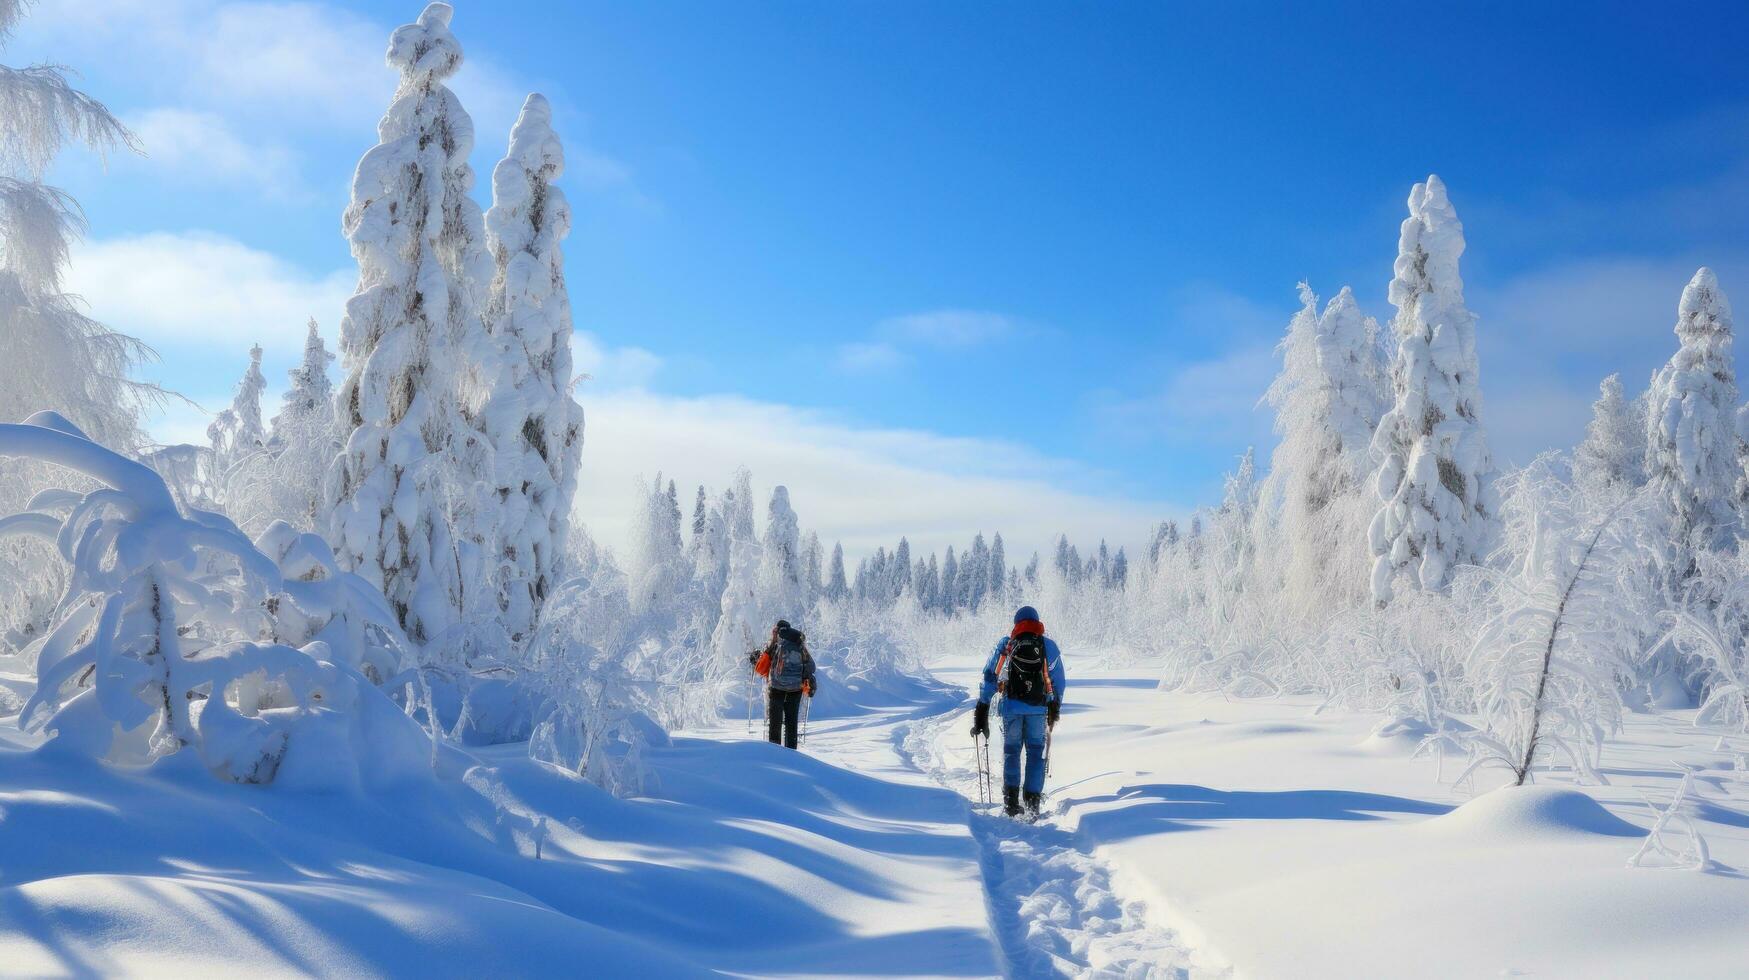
x=1027 y=679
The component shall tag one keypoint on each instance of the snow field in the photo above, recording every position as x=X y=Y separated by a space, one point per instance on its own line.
x=1277 y=839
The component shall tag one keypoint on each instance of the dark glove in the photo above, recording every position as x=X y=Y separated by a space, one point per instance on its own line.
x=1052 y=710
x=981 y=719
x=753 y=658
x=811 y=686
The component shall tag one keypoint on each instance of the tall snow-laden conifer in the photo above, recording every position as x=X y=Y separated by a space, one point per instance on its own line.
x=1327 y=399
x=411 y=464
x=1691 y=429
x=1613 y=454
x=534 y=426
x=1436 y=474
x=780 y=571
x=998 y=569
x=309 y=393
x=238 y=433
x=284 y=480
x=837 y=588
x=813 y=562
x=950 y=582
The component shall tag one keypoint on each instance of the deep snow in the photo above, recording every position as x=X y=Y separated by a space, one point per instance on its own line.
x=1187 y=836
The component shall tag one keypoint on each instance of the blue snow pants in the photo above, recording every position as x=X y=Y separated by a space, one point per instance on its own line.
x=1031 y=730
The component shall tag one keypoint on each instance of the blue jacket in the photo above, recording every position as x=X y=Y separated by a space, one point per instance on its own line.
x=1053 y=658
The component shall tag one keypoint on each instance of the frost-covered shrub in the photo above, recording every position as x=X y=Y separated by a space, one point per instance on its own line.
x=1546 y=662
x=176 y=631
x=1708 y=631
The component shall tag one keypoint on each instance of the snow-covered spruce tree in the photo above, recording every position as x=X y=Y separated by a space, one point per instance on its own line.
x=900 y=578
x=534 y=425
x=998 y=588
x=1435 y=473
x=837 y=588
x=656 y=568
x=950 y=582
x=1613 y=454
x=309 y=395
x=238 y=433
x=813 y=558
x=284 y=481
x=780 y=568
x=1691 y=429
x=407 y=478
x=1327 y=399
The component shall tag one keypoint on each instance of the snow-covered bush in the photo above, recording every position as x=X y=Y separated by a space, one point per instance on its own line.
x=1546 y=662
x=176 y=631
x=1707 y=632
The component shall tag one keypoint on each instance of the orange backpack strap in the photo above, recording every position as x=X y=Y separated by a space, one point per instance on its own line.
x=1001 y=663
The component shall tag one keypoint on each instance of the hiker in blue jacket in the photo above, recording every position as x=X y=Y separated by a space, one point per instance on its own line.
x=1026 y=668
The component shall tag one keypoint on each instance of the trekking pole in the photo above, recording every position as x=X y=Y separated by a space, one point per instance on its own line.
x=802 y=729
x=978 y=762
x=1047 y=751
x=986 y=787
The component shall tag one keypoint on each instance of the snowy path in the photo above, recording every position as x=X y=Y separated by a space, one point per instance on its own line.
x=1052 y=905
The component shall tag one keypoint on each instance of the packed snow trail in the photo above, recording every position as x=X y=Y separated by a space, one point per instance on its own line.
x=1052 y=905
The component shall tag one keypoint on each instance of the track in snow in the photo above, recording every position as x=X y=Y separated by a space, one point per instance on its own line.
x=1052 y=905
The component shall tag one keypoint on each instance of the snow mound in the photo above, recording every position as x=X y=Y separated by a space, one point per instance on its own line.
x=1406 y=736
x=1517 y=813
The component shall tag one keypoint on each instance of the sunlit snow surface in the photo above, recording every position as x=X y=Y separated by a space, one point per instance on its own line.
x=1186 y=836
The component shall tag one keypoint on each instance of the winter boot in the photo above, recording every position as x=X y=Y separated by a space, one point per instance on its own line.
x=1033 y=802
x=1011 y=797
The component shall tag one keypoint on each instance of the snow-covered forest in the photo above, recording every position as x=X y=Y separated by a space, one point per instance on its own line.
x=376 y=603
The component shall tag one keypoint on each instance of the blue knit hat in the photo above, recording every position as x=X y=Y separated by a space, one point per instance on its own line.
x=1025 y=613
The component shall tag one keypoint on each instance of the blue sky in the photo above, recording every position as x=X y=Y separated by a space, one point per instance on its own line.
x=948 y=266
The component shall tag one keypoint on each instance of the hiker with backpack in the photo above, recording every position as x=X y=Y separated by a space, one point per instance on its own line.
x=788 y=669
x=1026 y=669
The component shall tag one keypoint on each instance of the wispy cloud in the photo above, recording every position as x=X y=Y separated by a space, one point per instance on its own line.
x=864 y=357
x=895 y=338
x=195 y=289
x=947 y=328
x=190 y=146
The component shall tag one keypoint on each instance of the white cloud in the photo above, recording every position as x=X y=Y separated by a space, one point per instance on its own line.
x=305 y=63
x=947 y=328
x=245 y=79
x=944 y=330
x=190 y=145
x=612 y=370
x=862 y=486
x=195 y=288
x=868 y=357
